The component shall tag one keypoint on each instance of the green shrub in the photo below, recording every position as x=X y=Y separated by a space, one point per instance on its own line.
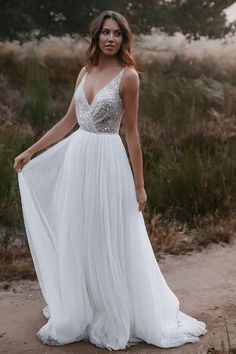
x=37 y=109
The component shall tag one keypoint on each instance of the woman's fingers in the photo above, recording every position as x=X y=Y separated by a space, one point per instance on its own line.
x=21 y=160
x=142 y=206
x=18 y=165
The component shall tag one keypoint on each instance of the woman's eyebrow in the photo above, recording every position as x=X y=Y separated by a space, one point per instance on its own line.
x=109 y=29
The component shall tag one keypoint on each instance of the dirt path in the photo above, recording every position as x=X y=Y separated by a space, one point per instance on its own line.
x=204 y=282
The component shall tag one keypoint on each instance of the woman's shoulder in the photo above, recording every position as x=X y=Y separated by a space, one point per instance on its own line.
x=131 y=70
x=130 y=74
x=82 y=71
x=130 y=80
x=81 y=74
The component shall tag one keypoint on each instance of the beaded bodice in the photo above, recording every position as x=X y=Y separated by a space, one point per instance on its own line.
x=105 y=112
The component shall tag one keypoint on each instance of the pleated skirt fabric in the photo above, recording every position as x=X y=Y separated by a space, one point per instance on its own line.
x=89 y=244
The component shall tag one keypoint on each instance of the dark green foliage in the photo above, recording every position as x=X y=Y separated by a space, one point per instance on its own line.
x=36 y=19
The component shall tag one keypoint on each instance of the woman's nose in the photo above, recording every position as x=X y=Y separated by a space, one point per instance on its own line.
x=111 y=37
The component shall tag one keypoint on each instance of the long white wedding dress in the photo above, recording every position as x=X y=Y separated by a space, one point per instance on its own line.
x=93 y=258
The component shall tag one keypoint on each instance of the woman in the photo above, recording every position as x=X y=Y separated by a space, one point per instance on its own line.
x=82 y=208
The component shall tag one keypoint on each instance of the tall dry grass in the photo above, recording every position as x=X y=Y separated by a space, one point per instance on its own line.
x=187 y=127
x=190 y=165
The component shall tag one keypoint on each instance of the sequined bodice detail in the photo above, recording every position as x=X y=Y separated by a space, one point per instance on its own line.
x=105 y=112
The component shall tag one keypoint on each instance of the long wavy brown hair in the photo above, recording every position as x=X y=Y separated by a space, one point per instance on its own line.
x=125 y=52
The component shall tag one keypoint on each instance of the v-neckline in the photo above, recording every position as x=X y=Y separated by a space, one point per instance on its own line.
x=85 y=77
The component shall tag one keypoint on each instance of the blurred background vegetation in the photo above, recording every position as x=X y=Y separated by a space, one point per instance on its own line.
x=187 y=118
x=38 y=19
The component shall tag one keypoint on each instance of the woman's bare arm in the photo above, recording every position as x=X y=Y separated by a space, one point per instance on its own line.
x=130 y=95
x=56 y=133
x=60 y=129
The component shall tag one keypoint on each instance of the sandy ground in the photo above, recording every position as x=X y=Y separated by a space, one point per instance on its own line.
x=204 y=282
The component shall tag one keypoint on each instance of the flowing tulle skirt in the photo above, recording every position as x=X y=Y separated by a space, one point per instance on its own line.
x=92 y=255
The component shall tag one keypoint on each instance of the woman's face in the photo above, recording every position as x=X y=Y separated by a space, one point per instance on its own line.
x=110 y=37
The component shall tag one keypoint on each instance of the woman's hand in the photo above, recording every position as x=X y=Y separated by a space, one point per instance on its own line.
x=21 y=160
x=141 y=198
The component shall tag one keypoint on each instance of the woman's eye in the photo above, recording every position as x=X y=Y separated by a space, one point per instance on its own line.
x=117 y=34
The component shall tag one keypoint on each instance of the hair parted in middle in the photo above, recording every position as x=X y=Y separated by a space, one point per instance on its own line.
x=125 y=52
